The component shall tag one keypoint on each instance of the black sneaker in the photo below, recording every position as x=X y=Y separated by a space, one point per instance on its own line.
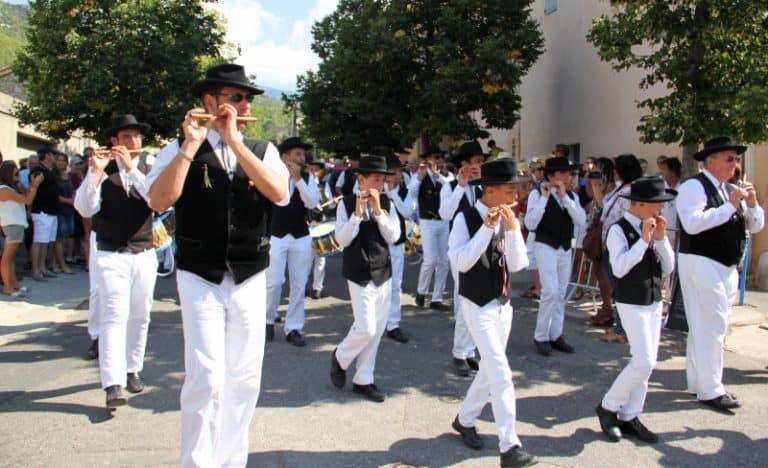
x=370 y=392
x=543 y=347
x=134 y=383
x=468 y=435
x=420 y=301
x=115 y=397
x=437 y=305
x=270 y=333
x=461 y=367
x=338 y=375
x=560 y=345
x=609 y=423
x=397 y=335
x=636 y=428
x=295 y=338
x=473 y=363
x=93 y=350
x=517 y=456
x=724 y=403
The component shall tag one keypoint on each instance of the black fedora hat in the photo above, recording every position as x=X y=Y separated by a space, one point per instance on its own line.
x=354 y=154
x=430 y=150
x=373 y=165
x=310 y=161
x=393 y=162
x=498 y=172
x=228 y=74
x=649 y=189
x=291 y=143
x=126 y=121
x=466 y=151
x=559 y=163
x=715 y=145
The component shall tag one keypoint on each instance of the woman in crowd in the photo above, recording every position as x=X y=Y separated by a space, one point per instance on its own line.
x=66 y=214
x=13 y=220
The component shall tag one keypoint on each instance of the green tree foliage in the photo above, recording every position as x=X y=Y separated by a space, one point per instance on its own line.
x=87 y=60
x=712 y=56
x=272 y=122
x=394 y=70
x=13 y=19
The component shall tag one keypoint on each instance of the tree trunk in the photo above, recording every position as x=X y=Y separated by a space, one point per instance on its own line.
x=690 y=165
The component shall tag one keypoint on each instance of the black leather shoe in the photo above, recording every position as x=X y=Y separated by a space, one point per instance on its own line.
x=461 y=367
x=369 y=391
x=270 y=333
x=543 y=347
x=338 y=375
x=473 y=364
x=638 y=429
x=517 y=456
x=397 y=335
x=134 y=383
x=93 y=350
x=316 y=294
x=437 y=305
x=560 y=345
x=115 y=397
x=609 y=423
x=278 y=319
x=468 y=435
x=295 y=338
x=420 y=301
x=724 y=403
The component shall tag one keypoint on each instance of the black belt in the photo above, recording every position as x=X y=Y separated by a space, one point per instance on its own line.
x=109 y=247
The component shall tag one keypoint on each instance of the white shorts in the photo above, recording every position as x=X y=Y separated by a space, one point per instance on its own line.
x=44 y=228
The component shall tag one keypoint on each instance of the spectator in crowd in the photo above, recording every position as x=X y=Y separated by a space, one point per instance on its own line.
x=27 y=164
x=671 y=170
x=65 y=225
x=659 y=161
x=44 y=209
x=644 y=166
x=493 y=150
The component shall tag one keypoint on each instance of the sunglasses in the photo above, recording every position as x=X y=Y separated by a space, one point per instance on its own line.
x=237 y=97
x=731 y=159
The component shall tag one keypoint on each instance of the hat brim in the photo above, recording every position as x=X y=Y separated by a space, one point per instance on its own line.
x=496 y=181
x=140 y=126
x=207 y=84
x=374 y=171
x=702 y=155
x=668 y=195
x=457 y=159
x=304 y=146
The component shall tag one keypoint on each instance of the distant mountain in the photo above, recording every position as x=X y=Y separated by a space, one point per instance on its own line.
x=13 y=21
x=272 y=92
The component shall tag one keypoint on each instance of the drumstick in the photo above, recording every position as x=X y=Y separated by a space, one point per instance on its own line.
x=330 y=202
x=210 y=116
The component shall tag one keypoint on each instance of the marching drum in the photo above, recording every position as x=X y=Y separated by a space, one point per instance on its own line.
x=412 y=237
x=323 y=240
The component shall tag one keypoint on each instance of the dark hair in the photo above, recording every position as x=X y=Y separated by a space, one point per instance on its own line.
x=628 y=167
x=7 y=170
x=606 y=168
x=674 y=165
x=491 y=142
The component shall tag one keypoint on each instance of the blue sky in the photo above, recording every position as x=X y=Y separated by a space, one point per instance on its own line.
x=274 y=36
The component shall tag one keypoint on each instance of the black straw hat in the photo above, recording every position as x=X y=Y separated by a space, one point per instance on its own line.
x=393 y=162
x=228 y=74
x=430 y=150
x=126 y=121
x=498 y=172
x=466 y=151
x=373 y=165
x=650 y=190
x=291 y=143
x=715 y=145
x=560 y=163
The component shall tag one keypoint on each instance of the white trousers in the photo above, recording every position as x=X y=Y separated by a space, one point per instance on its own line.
x=643 y=326
x=709 y=289
x=223 y=354
x=463 y=344
x=434 y=243
x=126 y=285
x=94 y=307
x=370 y=308
x=318 y=272
x=297 y=253
x=490 y=326
x=397 y=256
x=555 y=272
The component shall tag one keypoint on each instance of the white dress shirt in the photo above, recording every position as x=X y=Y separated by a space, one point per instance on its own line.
x=308 y=191
x=623 y=258
x=451 y=198
x=347 y=228
x=537 y=204
x=88 y=195
x=415 y=182
x=404 y=207
x=464 y=251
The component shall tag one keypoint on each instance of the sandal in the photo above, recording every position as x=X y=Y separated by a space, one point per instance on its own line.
x=610 y=337
x=599 y=321
x=577 y=295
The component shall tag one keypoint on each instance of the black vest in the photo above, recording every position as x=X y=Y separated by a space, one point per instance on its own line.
x=464 y=202
x=429 y=198
x=123 y=221
x=367 y=257
x=484 y=281
x=556 y=226
x=222 y=225
x=292 y=218
x=725 y=243
x=402 y=192
x=642 y=284
x=350 y=177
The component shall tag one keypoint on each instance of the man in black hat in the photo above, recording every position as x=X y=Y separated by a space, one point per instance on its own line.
x=223 y=186
x=455 y=197
x=318 y=168
x=346 y=182
x=365 y=226
x=640 y=256
x=486 y=246
x=114 y=194
x=291 y=243
x=427 y=183
x=554 y=213
x=714 y=217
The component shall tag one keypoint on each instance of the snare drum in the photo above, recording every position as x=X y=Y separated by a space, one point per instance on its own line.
x=323 y=240
x=412 y=237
